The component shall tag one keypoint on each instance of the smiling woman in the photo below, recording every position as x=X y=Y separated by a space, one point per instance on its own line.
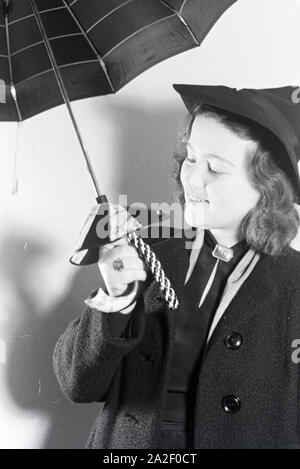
x=228 y=161
x=218 y=372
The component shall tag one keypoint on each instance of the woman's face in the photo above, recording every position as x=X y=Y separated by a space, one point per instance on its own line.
x=214 y=175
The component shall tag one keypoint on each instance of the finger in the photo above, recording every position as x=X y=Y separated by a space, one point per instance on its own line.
x=119 y=288
x=132 y=263
x=129 y=276
x=107 y=247
x=123 y=251
x=119 y=242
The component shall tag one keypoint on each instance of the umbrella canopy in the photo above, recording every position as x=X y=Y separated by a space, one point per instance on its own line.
x=97 y=45
x=56 y=51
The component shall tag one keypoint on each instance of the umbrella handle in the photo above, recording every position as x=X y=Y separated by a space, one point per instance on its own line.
x=87 y=253
x=91 y=256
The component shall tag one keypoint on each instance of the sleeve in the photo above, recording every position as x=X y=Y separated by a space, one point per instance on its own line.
x=90 y=351
x=87 y=355
x=119 y=309
x=119 y=324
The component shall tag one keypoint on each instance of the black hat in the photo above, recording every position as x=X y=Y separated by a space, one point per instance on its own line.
x=277 y=110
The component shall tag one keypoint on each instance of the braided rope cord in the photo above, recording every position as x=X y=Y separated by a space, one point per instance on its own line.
x=154 y=264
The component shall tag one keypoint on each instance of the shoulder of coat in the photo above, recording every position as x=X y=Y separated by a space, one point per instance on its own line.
x=287 y=264
x=294 y=260
x=154 y=236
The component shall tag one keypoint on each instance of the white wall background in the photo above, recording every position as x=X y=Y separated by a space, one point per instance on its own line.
x=130 y=137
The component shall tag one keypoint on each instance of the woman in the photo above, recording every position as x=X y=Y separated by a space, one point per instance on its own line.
x=218 y=371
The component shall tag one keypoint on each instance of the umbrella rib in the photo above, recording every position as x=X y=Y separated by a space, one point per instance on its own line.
x=137 y=32
x=182 y=6
x=12 y=84
x=34 y=76
x=21 y=19
x=32 y=15
x=61 y=36
x=51 y=9
x=51 y=70
x=182 y=19
x=26 y=48
x=108 y=14
x=77 y=63
x=89 y=41
x=42 y=42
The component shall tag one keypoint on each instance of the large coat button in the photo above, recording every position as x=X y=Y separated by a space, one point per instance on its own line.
x=233 y=341
x=231 y=404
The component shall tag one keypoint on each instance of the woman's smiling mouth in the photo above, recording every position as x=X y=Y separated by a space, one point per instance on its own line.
x=197 y=200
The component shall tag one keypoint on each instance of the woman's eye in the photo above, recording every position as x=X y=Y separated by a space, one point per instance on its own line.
x=212 y=170
x=190 y=159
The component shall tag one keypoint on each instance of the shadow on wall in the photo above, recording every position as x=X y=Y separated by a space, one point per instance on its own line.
x=30 y=375
x=144 y=145
x=144 y=140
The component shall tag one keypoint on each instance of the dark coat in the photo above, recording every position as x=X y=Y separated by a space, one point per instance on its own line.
x=129 y=374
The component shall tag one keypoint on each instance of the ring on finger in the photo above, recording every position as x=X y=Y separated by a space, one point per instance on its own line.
x=118 y=264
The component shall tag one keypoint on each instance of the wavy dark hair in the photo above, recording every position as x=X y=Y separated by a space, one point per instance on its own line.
x=273 y=223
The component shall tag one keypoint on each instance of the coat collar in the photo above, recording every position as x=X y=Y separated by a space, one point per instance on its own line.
x=174 y=256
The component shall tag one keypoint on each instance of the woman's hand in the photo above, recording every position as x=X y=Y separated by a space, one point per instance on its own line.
x=119 y=263
x=118 y=282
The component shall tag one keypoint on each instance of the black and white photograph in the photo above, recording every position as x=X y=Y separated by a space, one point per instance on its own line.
x=150 y=226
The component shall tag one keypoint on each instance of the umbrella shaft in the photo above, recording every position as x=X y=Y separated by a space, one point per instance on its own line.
x=65 y=96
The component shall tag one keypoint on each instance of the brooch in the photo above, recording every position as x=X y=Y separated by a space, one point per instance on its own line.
x=223 y=253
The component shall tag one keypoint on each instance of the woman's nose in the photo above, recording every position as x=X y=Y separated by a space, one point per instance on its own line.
x=199 y=175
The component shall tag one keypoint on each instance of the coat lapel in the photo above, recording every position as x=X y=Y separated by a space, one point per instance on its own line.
x=233 y=284
x=239 y=299
x=250 y=297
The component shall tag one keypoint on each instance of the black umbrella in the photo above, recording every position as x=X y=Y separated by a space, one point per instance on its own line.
x=56 y=51
x=98 y=45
